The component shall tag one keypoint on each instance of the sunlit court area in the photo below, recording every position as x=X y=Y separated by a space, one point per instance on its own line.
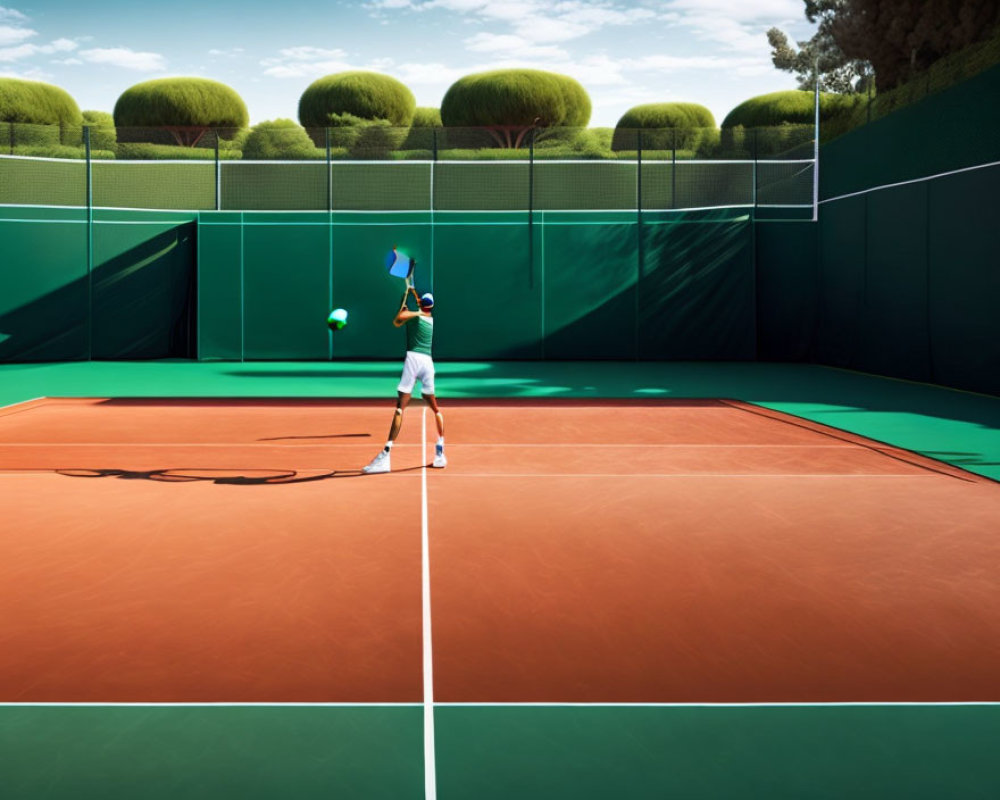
x=374 y=459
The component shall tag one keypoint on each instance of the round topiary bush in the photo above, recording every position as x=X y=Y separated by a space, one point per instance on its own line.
x=185 y=108
x=102 y=130
x=365 y=95
x=423 y=129
x=425 y=117
x=664 y=126
x=280 y=139
x=38 y=114
x=37 y=103
x=511 y=102
x=794 y=107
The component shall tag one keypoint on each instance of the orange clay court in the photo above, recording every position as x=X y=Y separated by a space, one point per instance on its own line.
x=646 y=551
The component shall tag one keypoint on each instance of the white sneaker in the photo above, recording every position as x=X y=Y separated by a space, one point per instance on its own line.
x=378 y=464
x=439 y=460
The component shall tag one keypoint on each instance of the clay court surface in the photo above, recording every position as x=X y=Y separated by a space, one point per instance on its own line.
x=674 y=551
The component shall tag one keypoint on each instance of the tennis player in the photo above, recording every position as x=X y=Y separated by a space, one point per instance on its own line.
x=418 y=366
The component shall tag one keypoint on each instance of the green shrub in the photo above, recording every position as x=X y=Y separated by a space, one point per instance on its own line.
x=362 y=95
x=665 y=126
x=422 y=134
x=103 y=135
x=143 y=151
x=376 y=140
x=20 y=134
x=280 y=139
x=425 y=117
x=183 y=109
x=514 y=101
x=38 y=103
x=795 y=107
x=62 y=151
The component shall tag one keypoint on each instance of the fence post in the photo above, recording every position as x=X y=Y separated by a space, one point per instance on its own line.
x=90 y=245
x=753 y=190
x=673 y=168
x=218 y=174
x=531 y=209
x=329 y=172
x=638 y=227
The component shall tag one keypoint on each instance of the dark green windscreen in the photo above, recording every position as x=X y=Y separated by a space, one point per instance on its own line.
x=787 y=289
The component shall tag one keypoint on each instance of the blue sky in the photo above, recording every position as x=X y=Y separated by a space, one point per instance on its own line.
x=624 y=52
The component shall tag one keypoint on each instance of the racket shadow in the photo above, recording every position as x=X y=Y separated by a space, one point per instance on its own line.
x=220 y=477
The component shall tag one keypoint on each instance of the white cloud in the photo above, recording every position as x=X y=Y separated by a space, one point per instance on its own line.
x=12 y=13
x=736 y=26
x=30 y=74
x=512 y=47
x=68 y=62
x=531 y=21
x=305 y=62
x=14 y=35
x=125 y=58
x=231 y=53
x=9 y=54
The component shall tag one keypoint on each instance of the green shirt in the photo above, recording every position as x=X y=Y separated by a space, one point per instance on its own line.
x=419 y=333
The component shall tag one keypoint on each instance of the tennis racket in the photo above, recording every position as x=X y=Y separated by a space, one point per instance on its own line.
x=400 y=265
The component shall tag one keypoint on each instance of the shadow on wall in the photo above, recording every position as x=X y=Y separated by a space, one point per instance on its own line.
x=142 y=301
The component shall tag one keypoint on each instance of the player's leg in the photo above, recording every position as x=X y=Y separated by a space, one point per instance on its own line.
x=427 y=389
x=402 y=401
x=382 y=462
x=439 y=457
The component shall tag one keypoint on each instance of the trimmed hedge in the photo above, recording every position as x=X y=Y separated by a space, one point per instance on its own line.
x=363 y=95
x=516 y=98
x=280 y=139
x=665 y=126
x=38 y=103
x=794 y=107
x=143 y=151
x=196 y=103
x=63 y=151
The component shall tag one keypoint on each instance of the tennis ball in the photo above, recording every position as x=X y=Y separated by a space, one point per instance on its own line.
x=337 y=319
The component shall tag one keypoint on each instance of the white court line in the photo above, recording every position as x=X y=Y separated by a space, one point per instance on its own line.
x=113 y=704
x=845 y=446
x=836 y=703
x=430 y=772
x=920 y=474
x=21 y=402
x=516 y=704
x=229 y=445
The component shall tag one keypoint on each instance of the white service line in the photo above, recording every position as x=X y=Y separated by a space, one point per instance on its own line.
x=430 y=772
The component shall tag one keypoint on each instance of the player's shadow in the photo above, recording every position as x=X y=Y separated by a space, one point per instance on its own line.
x=230 y=478
x=328 y=436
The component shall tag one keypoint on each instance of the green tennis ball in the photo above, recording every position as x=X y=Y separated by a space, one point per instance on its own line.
x=337 y=319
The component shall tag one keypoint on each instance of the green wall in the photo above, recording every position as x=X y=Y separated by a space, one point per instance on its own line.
x=564 y=286
x=900 y=277
x=954 y=129
x=118 y=287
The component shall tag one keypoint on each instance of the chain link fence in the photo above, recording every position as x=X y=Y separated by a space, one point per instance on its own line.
x=379 y=168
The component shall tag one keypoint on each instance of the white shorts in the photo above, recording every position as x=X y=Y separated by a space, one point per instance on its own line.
x=417 y=367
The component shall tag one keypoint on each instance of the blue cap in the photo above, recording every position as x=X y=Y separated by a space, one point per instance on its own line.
x=427 y=300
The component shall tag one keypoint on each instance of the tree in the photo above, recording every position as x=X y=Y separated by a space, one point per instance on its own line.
x=510 y=103
x=102 y=129
x=279 y=139
x=33 y=102
x=184 y=107
x=365 y=96
x=897 y=38
x=821 y=57
x=680 y=126
x=903 y=37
